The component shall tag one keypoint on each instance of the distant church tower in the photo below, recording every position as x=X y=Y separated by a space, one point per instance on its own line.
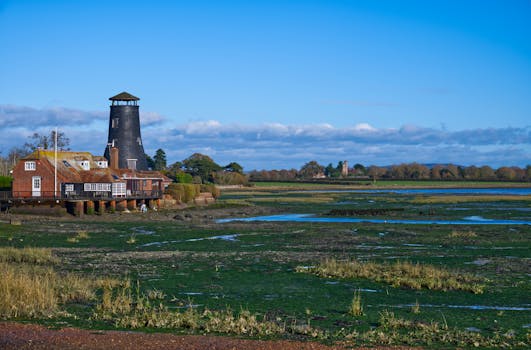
x=124 y=133
x=344 y=169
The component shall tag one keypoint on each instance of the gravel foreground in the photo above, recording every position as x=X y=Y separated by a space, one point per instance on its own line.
x=28 y=336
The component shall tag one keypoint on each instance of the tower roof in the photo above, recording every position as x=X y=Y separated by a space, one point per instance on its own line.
x=124 y=96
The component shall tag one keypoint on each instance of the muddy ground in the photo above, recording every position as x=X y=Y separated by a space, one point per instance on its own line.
x=15 y=336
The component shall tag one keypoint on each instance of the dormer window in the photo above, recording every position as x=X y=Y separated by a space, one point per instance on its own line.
x=84 y=164
x=30 y=166
x=102 y=164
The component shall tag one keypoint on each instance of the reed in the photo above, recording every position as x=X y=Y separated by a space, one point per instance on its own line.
x=356 y=307
x=399 y=274
x=127 y=307
x=39 y=256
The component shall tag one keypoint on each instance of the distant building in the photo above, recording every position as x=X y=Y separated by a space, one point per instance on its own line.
x=344 y=169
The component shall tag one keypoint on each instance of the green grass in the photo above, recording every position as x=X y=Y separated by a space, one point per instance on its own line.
x=252 y=280
x=389 y=183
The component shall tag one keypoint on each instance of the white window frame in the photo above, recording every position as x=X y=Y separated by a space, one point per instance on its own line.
x=97 y=187
x=84 y=164
x=30 y=165
x=119 y=189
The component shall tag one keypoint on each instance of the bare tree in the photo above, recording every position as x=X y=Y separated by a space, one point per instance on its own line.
x=48 y=141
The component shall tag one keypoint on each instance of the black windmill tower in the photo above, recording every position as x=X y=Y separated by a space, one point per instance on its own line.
x=124 y=133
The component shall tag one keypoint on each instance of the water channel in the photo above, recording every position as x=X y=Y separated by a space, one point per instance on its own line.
x=469 y=220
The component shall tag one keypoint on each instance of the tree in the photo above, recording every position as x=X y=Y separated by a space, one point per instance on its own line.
x=331 y=171
x=150 y=162
x=505 y=173
x=359 y=169
x=486 y=173
x=48 y=141
x=376 y=172
x=311 y=170
x=234 y=167
x=159 y=160
x=201 y=165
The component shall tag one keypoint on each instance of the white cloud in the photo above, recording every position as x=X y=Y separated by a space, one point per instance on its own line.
x=277 y=145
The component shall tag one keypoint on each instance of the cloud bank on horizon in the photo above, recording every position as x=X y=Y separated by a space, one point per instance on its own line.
x=277 y=145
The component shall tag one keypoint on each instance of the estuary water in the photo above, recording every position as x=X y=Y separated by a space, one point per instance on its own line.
x=458 y=191
x=470 y=220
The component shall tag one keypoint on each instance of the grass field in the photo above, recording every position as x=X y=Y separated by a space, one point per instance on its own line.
x=271 y=280
x=388 y=183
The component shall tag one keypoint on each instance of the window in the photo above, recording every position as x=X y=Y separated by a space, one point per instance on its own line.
x=139 y=141
x=69 y=188
x=30 y=166
x=131 y=164
x=92 y=187
x=114 y=122
x=102 y=164
x=118 y=189
x=84 y=164
x=66 y=164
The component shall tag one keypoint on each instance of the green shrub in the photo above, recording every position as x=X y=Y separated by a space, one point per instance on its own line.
x=183 y=193
x=5 y=182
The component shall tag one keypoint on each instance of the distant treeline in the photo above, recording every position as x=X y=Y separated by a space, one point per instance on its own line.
x=409 y=171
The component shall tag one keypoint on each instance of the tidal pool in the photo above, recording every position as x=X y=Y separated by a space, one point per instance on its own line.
x=470 y=220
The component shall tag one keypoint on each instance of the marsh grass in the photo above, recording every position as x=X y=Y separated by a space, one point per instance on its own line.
x=127 y=307
x=356 y=307
x=39 y=256
x=462 y=234
x=29 y=288
x=131 y=239
x=80 y=235
x=450 y=199
x=416 y=307
x=399 y=274
x=302 y=200
x=393 y=330
x=38 y=291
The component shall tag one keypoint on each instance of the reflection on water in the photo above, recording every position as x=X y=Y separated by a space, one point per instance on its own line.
x=469 y=220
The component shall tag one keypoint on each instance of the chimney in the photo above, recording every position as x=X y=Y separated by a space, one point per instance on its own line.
x=114 y=158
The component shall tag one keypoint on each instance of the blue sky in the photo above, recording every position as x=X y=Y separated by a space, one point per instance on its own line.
x=274 y=84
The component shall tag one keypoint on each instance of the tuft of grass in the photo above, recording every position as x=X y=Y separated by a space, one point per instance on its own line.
x=462 y=234
x=399 y=274
x=82 y=235
x=78 y=237
x=131 y=239
x=356 y=307
x=129 y=308
x=39 y=256
x=398 y=331
x=38 y=291
x=416 y=307
x=155 y=294
x=29 y=289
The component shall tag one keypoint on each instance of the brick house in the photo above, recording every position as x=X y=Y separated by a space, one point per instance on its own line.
x=81 y=176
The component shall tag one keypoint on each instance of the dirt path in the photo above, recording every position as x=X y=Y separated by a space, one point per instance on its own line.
x=26 y=336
